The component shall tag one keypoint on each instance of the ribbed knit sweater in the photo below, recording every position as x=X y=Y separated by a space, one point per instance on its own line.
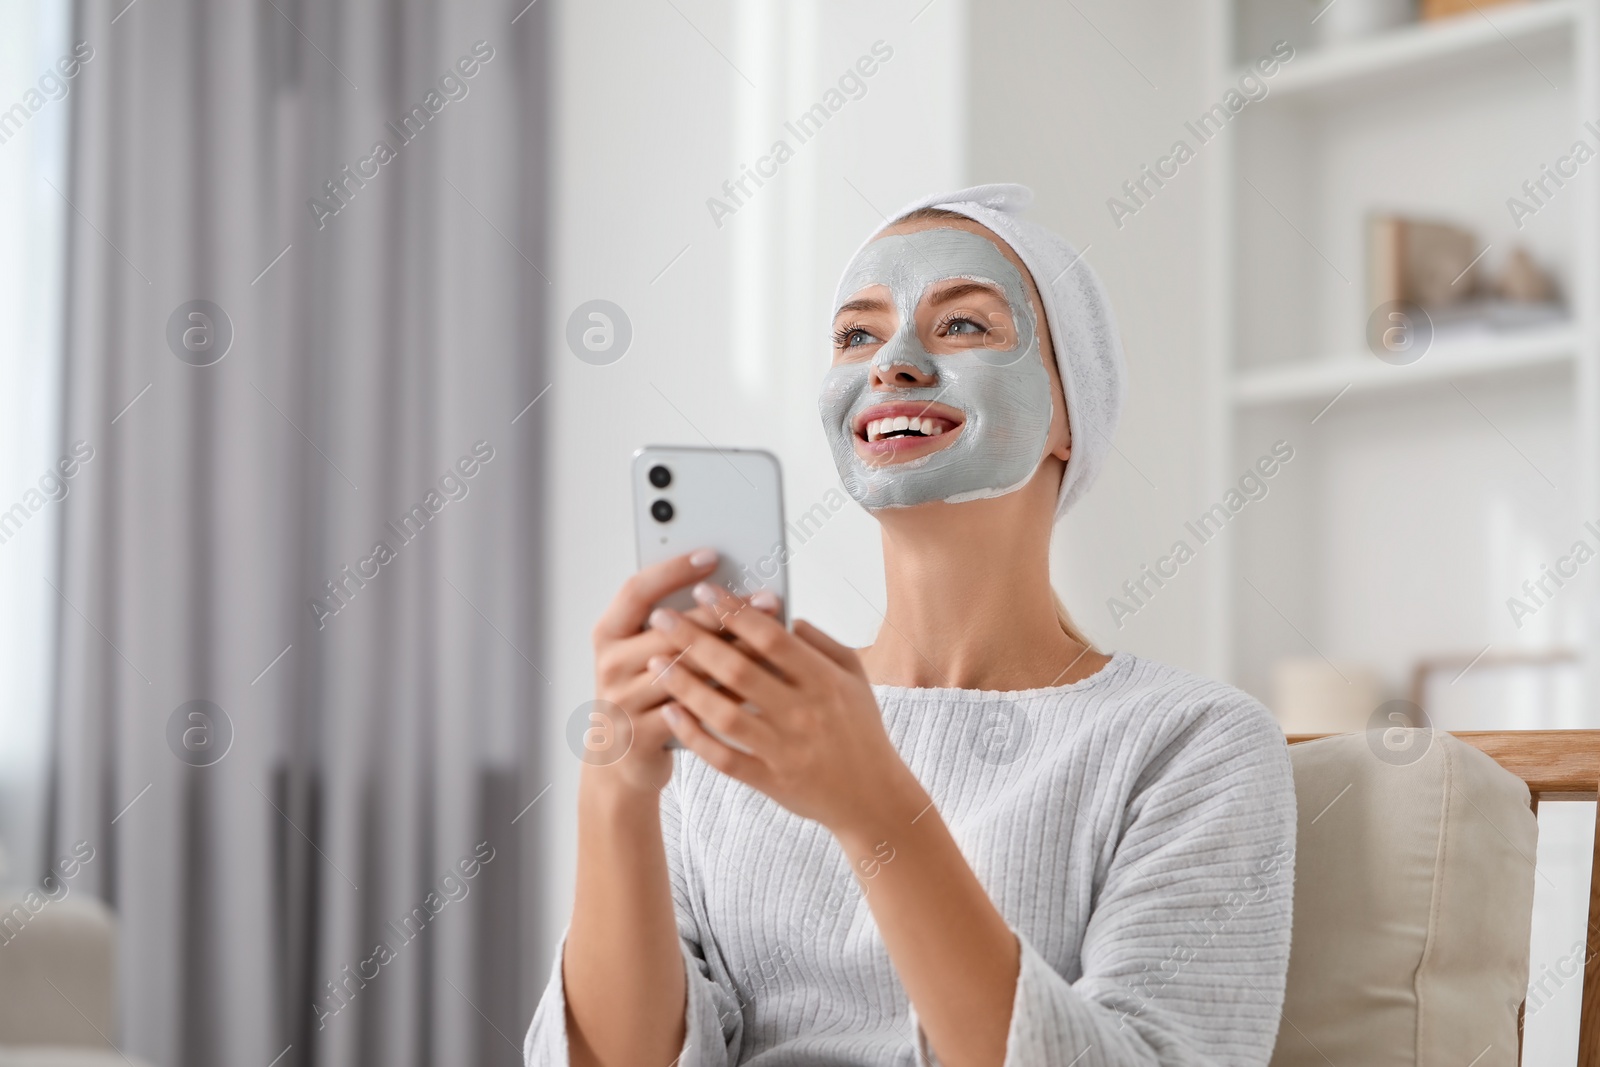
x=1136 y=830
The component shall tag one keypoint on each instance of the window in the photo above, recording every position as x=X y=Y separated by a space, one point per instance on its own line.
x=35 y=107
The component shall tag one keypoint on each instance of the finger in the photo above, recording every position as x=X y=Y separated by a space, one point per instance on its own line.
x=640 y=693
x=693 y=736
x=759 y=630
x=722 y=712
x=626 y=613
x=708 y=621
x=651 y=728
x=644 y=688
x=732 y=667
x=621 y=659
x=617 y=662
x=843 y=655
x=704 y=616
x=612 y=730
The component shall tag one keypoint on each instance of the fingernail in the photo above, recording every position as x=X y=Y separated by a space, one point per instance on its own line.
x=658 y=663
x=661 y=619
x=669 y=713
x=766 y=600
x=703 y=557
x=706 y=593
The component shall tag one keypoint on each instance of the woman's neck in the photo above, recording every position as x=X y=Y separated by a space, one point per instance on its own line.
x=970 y=603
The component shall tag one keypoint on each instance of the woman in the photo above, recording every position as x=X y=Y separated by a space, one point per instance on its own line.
x=978 y=840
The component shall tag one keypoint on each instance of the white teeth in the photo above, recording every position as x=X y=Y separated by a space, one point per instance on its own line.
x=928 y=426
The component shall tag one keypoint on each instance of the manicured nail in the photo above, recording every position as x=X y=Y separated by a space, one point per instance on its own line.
x=765 y=600
x=658 y=664
x=703 y=557
x=662 y=619
x=707 y=594
x=670 y=713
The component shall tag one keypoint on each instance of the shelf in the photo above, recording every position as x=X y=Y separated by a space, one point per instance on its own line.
x=1417 y=49
x=1363 y=373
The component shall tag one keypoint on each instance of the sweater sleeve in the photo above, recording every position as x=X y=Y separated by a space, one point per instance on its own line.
x=713 y=1021
x=1187 y=948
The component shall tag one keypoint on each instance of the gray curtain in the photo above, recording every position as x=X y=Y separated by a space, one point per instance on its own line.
x=298 y=683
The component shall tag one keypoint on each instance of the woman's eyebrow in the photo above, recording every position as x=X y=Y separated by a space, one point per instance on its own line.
x=863 y=303
x=965 y=288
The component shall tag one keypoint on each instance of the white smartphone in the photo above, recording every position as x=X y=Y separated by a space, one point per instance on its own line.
x=729 y=499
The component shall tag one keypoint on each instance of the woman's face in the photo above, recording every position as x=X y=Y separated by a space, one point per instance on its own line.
x=939 y=388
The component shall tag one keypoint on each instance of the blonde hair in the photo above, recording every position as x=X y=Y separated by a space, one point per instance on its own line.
x=923 y=213
x=1064 y=617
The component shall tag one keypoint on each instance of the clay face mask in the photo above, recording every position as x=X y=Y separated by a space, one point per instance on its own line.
x=1002 y=394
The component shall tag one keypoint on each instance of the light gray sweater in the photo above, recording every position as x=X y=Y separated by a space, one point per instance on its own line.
x=1136 y=829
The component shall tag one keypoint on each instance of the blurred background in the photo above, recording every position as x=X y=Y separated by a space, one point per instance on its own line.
x=330 y=329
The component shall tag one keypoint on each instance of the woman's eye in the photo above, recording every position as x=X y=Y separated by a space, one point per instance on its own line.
x=963 y=326
x=855 y=338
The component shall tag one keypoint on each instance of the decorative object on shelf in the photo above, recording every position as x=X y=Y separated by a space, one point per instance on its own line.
x=1524 y=281
x=1311 y=695
x=1347 y=20
x=1441 y=268
x=1445 y=9
x=1495 y=316
x=1417 y=261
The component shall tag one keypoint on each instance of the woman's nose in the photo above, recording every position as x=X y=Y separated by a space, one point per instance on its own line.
x=901 y=374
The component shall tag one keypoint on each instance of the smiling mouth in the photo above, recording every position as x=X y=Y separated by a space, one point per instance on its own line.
x=902 y=430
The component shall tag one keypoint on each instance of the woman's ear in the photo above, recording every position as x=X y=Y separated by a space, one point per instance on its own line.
x=1063 y=448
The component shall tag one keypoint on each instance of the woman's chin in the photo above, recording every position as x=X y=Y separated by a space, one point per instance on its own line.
x=895 y=450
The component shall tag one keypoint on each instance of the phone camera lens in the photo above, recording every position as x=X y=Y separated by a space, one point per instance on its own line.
x=661 y=510
x=660 y=477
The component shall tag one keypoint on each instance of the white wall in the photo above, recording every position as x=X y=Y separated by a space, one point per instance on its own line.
x=1072 y=99
x=657 y=105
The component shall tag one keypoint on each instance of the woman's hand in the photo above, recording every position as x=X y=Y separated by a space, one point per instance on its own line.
x=622 y=650
x=622 y=967
x=817 y=745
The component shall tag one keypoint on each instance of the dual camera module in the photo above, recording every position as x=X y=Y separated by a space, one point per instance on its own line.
x=661 y=477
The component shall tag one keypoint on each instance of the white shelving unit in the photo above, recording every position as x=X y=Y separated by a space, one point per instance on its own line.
x=1427 y=48
x=1359 y=372
x=1420 y=497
